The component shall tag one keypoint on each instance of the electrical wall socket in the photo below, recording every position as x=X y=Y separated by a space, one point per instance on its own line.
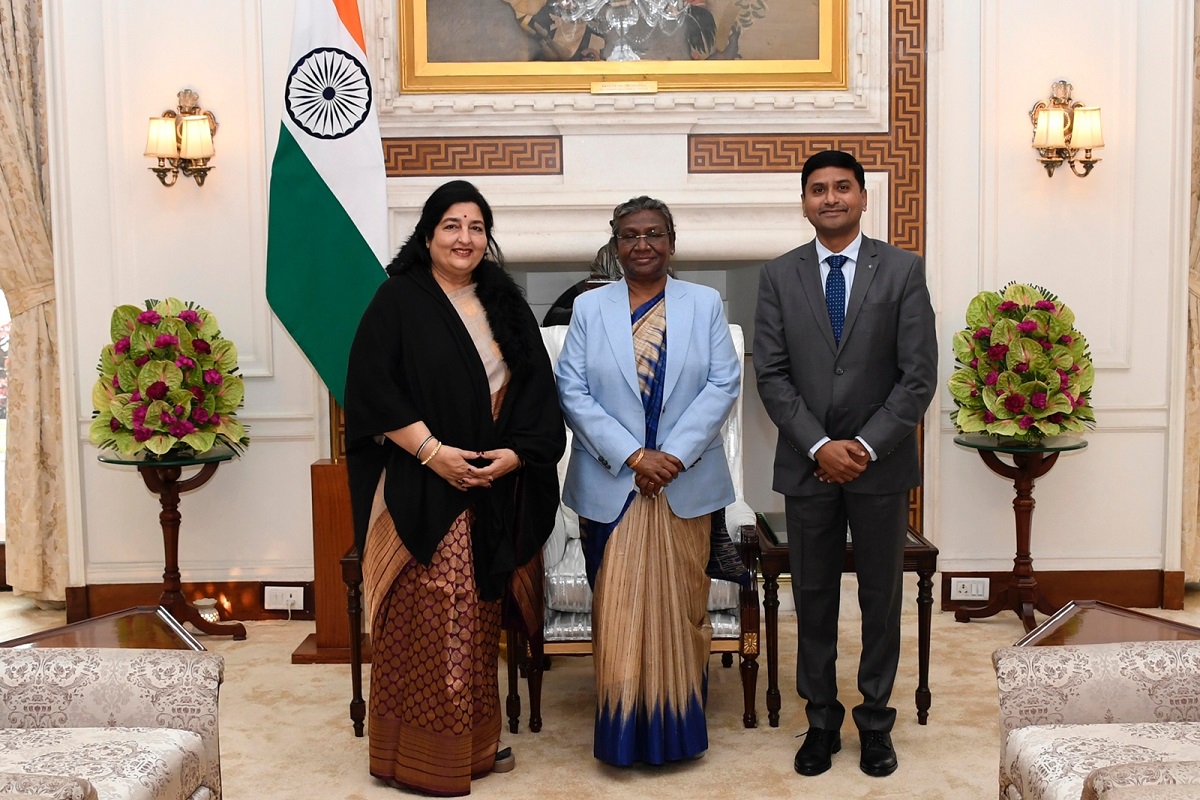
x=283 y=598
x=969 y=588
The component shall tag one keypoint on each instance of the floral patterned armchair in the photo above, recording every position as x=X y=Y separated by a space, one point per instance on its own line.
x=127 y=724
x=1099 y=721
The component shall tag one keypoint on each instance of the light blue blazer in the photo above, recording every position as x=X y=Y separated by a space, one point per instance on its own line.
x=602 y=401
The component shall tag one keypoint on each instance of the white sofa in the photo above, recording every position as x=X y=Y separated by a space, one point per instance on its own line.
x=109 y=724
x=733 y=610
x=1112 y=721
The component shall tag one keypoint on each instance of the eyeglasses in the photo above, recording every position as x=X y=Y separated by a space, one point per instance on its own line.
x=631 y=239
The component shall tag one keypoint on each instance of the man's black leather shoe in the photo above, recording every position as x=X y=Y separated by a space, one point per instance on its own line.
x=816 y=754
x=878 y=757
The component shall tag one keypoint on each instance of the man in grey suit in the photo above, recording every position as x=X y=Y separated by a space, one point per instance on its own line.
x=846 y=358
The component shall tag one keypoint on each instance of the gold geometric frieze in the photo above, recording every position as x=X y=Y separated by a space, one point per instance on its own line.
x=478 y=155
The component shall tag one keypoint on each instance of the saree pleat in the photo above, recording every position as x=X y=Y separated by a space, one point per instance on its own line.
x=651 y=632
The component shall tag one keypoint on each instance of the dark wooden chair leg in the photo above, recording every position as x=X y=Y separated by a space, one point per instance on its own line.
x=535 y=662
x=748 y=647
x=726 y=660
x=516 y=650
x=352 y=576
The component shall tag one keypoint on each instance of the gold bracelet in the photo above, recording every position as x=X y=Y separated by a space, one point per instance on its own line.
x=417 y=454
x=636 y=461
x=429 y=457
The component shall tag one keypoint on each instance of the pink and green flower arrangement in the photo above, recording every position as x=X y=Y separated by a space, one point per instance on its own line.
x=1024 y=372
x=168 y=382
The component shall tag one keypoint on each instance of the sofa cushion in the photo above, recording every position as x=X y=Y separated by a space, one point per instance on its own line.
x=1052 y=762
x=45 y=787
x=1165 y=779
x=121 y=763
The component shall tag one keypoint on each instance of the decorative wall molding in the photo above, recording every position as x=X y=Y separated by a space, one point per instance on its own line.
x=478 y=155
x=862 y=106
x=899 y=151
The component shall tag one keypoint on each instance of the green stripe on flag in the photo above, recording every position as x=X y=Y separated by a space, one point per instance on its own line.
x=321 y=274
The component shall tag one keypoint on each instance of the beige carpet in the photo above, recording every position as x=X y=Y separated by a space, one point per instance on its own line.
x=285 y=730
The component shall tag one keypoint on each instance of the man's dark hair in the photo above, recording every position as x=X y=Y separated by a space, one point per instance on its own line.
x=831 y=158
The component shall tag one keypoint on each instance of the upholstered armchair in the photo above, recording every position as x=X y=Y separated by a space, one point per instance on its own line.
x=86 y=723
x=567 y=629
x=1099 y=721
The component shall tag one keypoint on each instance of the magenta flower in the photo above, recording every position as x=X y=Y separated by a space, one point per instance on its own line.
x=997 y=352
x=213 y=377
x=141 y=434
x=982 y=333
x=183 y=362
x=136 y=397
x=974 y=363
x=114 y=424
x=1045 y=345
x=178 y=411
x=1066 y=338
x=1024 y=422
x=1027 y=326
x=139 y=416
x=122 y=345
x=189 y=316
x=1056 y=418
x=140 y=361
x=201 y=346
x=197 y=393
x=215 y=419
x=181 y=428
x=116 y=381
x=991 y=378
x=165 y=418
x=149 y=317
x=1007 y=305
x=1021 y=368
x=156 y=390
x=1038 y=400
x=200 y=415
x=989 y=417
x=1044 y=305
x=166 y=340
x=1014 y=402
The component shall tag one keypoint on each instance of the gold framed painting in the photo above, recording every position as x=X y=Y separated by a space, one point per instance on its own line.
x=530 y=46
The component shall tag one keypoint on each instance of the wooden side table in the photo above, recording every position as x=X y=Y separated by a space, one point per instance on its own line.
x=148 y=627
x=161 y=476
x=1030 y=462
x=1097 y=622
x=920 y=556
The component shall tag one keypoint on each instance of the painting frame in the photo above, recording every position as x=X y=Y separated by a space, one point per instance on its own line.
x=828 y=71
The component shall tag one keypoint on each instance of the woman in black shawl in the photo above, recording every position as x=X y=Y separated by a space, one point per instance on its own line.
x=453 y=436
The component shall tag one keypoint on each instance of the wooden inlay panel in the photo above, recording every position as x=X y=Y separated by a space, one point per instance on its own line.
x=491 y=155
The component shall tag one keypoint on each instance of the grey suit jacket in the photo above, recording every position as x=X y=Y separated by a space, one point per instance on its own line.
x=876 y=384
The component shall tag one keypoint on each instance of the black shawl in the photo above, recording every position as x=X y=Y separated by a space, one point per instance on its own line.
x=413 y=360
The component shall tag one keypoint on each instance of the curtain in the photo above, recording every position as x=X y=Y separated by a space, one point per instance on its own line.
x=1191 y=452
x=34 y=494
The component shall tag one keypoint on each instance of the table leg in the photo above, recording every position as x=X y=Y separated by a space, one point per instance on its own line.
x=771 y=609
x=924 y=628
x=1022 y=595
x=164 y=481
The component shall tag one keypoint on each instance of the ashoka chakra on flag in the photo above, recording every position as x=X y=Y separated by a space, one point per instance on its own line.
x=328 y=93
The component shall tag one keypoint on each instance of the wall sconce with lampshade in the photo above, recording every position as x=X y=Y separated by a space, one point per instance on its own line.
x=182 y=140
x=1063 y=128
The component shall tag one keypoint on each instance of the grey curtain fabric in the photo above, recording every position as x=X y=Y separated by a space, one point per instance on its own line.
x=36 y=550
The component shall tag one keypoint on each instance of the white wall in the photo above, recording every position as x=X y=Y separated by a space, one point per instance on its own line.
x=994 y=216
x=1112 y=246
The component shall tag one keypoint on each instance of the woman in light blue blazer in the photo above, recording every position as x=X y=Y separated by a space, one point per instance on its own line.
x=646 y=378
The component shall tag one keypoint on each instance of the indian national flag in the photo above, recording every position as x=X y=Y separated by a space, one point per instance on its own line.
x=327 y=236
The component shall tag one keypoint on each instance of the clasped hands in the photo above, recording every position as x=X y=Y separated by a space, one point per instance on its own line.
x=454 y=465
x=653 y=470
x=841 y=461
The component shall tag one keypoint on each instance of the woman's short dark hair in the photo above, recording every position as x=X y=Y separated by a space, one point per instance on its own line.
x=415 y=251
x=832 y=158
x=642 y=203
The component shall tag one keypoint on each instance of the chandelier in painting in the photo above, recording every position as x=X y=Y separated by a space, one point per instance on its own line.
x=629 y=21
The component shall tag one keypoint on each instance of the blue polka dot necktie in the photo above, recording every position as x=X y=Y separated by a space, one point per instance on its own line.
x=835 y=295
